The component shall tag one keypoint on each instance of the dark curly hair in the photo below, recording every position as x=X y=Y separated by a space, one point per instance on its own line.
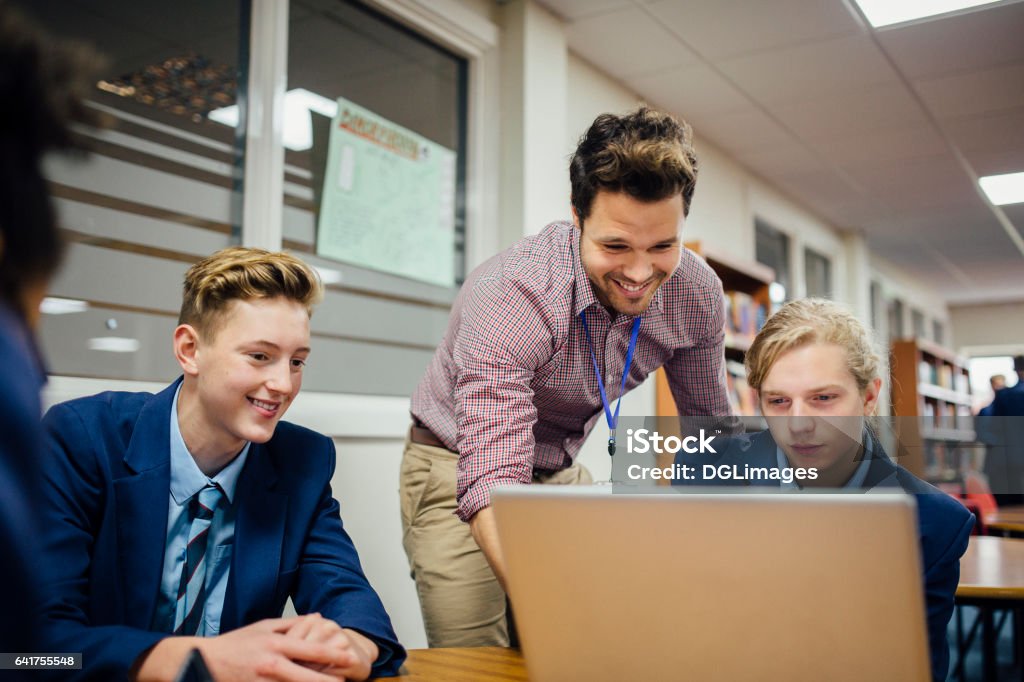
x=646 y=154
x=42 y=87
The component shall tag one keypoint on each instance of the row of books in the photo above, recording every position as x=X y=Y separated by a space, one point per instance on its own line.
x=942 y=374
x=947 y=416
x=743 y=315
x=945 y=462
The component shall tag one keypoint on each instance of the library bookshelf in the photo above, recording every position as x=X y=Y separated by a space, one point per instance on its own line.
x=931 y=399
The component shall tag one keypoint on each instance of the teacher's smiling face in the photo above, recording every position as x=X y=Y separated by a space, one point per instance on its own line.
x=630 y=247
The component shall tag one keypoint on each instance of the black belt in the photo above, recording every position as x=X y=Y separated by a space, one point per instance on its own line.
x=421 y=435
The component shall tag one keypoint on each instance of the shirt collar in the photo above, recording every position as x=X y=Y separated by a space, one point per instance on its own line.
x=855 y=482
x=186 y=477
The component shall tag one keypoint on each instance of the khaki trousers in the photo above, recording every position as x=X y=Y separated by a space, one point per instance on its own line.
x=463 y=605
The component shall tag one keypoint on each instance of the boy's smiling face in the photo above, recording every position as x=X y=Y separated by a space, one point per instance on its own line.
x=244 y=374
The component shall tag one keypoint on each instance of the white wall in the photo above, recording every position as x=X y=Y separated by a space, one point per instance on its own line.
x=896 y=284
x=592 y=93
x=993 y=329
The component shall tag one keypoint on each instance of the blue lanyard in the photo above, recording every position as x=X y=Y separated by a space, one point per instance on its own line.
x=612 y=419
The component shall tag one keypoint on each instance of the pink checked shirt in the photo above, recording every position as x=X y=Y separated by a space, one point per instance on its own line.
x=512 y=389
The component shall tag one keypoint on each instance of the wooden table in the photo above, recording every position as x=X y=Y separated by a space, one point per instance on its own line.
x=1006 y=520
x=991 y=577
x=481 y=664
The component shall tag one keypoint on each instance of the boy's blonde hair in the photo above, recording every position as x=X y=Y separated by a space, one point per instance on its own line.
x=239 y=273
x=813 y=320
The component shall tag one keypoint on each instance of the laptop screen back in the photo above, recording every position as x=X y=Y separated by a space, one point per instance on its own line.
x=714 y=586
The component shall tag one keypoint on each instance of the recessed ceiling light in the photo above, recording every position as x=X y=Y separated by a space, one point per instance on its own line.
x=1004 y=189
x=52 y=305
x=114 y=344
x=886 y=12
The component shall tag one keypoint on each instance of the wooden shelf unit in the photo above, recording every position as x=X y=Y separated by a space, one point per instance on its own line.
x=931 y=398
x=747 y=306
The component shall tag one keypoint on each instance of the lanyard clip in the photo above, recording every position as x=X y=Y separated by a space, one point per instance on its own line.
x=611 y=443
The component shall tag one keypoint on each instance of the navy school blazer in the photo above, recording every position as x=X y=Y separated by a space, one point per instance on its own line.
x=104 y=526
x=944 y=526
x=21 y=377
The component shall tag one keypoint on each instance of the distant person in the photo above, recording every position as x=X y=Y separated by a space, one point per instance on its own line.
x=987 y=432
x=1010 y=402
x=187 y=518
x=998 y=383
x=41 y=83
x=1008 y=418
x=818 y=378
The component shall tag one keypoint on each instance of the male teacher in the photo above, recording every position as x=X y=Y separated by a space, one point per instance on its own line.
x=542 y=341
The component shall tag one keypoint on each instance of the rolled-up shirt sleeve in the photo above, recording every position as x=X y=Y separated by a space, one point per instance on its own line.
x=506 y=336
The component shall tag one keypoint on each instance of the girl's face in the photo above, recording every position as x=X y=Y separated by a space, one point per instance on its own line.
x=816 y=411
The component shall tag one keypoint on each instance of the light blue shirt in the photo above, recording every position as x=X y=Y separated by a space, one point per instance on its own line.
x=859 y=474
x=186 y=481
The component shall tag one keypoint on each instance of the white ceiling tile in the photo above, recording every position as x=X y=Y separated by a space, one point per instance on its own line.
x=808 y=71
x=882 y=145
x=1015 y=212
x=691 y=91
x=975 y=92
x=726 y=28
x=577 y=9
x=996 y=162
x=1001 y=131
x=820 y=189
x=786 y=159
x=991 y=36
x=741 y=132
x=851 y=112
x=625 y=43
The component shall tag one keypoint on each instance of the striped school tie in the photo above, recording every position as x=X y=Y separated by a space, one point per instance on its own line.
x=188 y=610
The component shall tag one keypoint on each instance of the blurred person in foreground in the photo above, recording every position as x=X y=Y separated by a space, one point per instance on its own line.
x=42 y=84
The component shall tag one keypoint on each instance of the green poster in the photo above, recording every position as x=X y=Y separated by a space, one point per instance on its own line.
x=388 y=199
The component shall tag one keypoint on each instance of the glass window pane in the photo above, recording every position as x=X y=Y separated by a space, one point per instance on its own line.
x=938 y=332
x=375 y=141
x=772 y=249
x=817 y=274
x=876 y=304
x=895 y=319
x=917 y=321
x=159 y=191
x=374 y=190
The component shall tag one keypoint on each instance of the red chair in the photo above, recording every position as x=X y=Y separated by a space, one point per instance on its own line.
x=979 y=495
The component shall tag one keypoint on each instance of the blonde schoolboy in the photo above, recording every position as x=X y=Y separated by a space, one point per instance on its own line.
x=185 y=519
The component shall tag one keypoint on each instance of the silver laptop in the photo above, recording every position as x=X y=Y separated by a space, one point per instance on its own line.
x=714 y=586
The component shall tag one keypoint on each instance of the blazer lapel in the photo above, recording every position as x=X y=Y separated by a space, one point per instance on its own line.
x=259 y=535
x=882 y=471
x=141 y=503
